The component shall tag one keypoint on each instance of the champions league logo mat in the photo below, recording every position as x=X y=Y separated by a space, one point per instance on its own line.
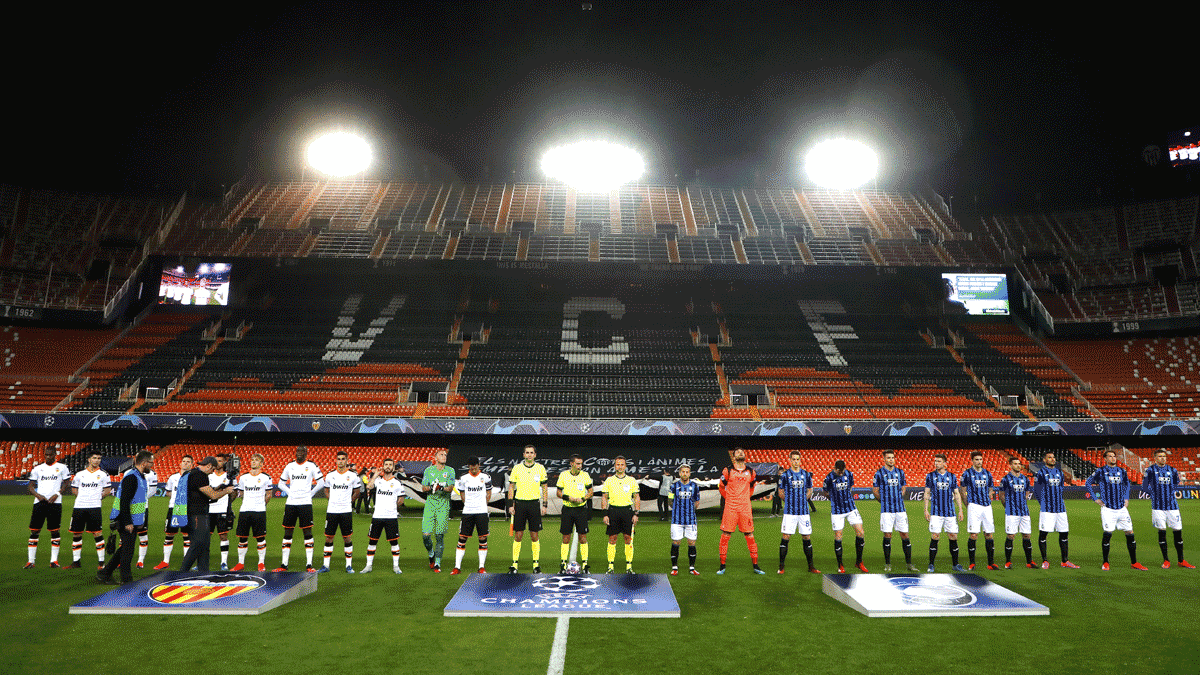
x=551 y=595
x=202 y=593
x=882 y=595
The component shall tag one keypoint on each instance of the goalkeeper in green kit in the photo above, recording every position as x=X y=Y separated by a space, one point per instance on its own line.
x=438 y=484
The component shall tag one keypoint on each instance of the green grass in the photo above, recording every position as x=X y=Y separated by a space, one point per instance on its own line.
x=1121 y=621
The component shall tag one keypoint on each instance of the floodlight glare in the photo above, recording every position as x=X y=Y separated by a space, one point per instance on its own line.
x=339 y=154
x=593 y=166
x=841 y=164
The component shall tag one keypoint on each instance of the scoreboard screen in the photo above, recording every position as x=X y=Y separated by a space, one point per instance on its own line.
x=1183 y=147
x=205 y=284
x=977 y=294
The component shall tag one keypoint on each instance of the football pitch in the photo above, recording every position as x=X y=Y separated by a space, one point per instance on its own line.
x=1122 y=621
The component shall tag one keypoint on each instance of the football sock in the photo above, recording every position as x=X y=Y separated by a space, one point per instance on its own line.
x=564 y=550
x=535 y=547
x=76 y=547
x=783 y=549
x=438 y=547
x=1131 y=544
x=308 y=548
x=1062 y=546
x=482 y=551
x=1162 y=543
x=808 y=552
x=286 y=550
x=691 y=556
x=99 y=546
x=675 y=555
x=1028 y=545
x=583 y=553
x=1042 y=543
x=143 y=546
x=990 y=546
x=395 y=552
x=859 y=544
x=262 y=550
x=243 y=544
x=1008 y=547
x=459 y=551
x=1178 y=546
x=371 y=544
x=34 y=534
x=887 y=550
x=1106 y=544
x=837 y=550
x=953 y=551
x=971 y=551
x=349 y=549
x=56 y=542
x=516 y=551
x=723 y=549
x=328 y=553
x=612 y=554
x=753 y=546
x=187 y=543
x=933 y=547
x=225 y=552
x=628 y=554
x=907 y=549
x=428 y=541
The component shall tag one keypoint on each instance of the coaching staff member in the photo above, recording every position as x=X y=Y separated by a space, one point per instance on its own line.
x=199 y=496
x=128 y=516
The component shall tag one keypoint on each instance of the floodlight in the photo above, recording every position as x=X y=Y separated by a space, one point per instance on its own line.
x=841 y=164
x=593 y=166
x=339 y=154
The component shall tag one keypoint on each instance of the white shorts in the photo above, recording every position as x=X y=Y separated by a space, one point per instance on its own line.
x=792 y=524
x=897 y=521
x=980 y=516
x=679 y=532
x=1111 y=519
x=840 y=520
x=1052 y=522
x=1016 y=524
x=1164 y=519
x=948 y=524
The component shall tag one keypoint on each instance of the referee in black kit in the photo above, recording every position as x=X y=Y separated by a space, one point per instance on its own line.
x=199 y=496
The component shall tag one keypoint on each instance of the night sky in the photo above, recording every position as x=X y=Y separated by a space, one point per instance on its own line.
x=965 y=97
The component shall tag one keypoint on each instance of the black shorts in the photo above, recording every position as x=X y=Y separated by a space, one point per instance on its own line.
x=574 y=517
x=171 y=529
x=294 y=512
x=527 y=514
x=48 y=514
x=221 y=523
x=473 y=521
x=343 y=520
x=385 y=526
x=620 y=520
x=252 y=521
x=86 y=520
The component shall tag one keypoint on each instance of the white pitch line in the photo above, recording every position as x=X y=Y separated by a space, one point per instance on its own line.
x=558 y=652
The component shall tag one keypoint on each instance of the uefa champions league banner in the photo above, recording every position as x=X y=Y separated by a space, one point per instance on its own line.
x=577 y=427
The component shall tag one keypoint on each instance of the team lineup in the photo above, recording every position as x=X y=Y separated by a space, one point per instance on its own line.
x=201 y=497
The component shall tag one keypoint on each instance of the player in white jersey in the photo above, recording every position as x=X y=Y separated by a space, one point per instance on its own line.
x=476 y=490
x=45 y=484
x=185 y=465
x=300 y=480
x=389 y=494
x=342 y=487
x=220 y=512
x=144 y=531
x=255 y=491
x=90 y=487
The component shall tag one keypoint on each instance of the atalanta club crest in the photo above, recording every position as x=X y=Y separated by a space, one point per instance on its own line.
x=914 y=591
x=205 y=588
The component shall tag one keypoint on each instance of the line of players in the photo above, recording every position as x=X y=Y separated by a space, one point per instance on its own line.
x=212 y=490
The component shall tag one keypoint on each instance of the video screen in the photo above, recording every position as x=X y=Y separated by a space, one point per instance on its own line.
x=1183 y=147
x=205 y=284
x=977 y=294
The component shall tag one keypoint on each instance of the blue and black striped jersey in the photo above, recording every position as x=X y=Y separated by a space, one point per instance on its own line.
x=891 y=489
x=1110 y=484
x=795 y=486
x=684 y=497
x=1048 y=488
x=1161 y=482
x=941 y=488
x=1016 y=494
x=979 y=486
x=840 y=494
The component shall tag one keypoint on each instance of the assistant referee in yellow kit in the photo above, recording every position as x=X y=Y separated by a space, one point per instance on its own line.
x=527 y=499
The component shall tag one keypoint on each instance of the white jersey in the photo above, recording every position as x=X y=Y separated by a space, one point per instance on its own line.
x=172 y=483
x=151 y=484
x=475 y=491
x=341 y=486
x=386 y=494
x=254 y=492
x=91 y=486
x=300 y=479
x=215 y=480
x=48 y=480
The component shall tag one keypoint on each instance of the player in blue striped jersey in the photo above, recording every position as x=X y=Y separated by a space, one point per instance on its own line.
x=1109 y=487
x=1014 y=492
x=1161 y=481
x=683 y=494
x=795 y=489
x=842 y=510
x=888 y=487
x=976 y=485
x=1048 y=490
x=942 y=505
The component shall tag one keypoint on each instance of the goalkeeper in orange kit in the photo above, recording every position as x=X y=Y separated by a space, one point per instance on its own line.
x=737 y=487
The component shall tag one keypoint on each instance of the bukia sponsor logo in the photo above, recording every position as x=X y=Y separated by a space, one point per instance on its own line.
x=916 y=591
x=205 y=588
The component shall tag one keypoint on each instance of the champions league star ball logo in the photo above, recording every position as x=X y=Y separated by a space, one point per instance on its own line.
x=565 y=587
x=914 y=591
x=204 y=589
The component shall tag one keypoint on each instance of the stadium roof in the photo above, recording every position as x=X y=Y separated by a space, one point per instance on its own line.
x=968 y=96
